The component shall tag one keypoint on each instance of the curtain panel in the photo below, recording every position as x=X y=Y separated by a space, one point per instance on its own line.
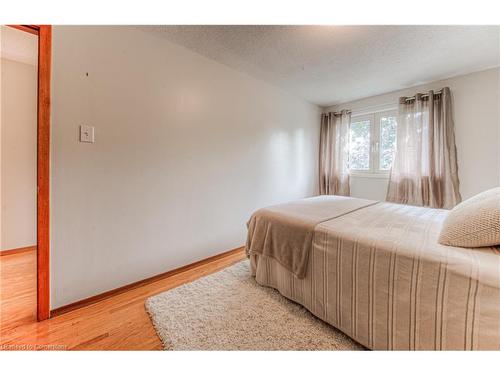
x=334 y=153
x=425 y=171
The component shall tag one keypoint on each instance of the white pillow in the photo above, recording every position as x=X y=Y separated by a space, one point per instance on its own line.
x=474 y=222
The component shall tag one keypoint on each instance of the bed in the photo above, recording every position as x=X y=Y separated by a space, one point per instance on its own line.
x=375 y=271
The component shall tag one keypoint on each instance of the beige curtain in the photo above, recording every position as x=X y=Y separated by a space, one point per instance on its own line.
x=334 y=152
x=424 y=171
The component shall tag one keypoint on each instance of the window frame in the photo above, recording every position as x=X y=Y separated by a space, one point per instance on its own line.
x=374 y=117
x=362 y=118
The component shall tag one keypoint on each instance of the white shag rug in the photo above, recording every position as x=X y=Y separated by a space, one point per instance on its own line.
x=228 y=310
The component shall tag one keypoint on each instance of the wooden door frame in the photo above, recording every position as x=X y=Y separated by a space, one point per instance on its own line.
x=44 y=33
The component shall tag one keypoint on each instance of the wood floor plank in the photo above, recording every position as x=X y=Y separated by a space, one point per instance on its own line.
x=119 y=322
x=17 y=289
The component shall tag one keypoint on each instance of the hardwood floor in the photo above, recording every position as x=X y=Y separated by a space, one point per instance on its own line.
x=17 y=289
x=119 y=322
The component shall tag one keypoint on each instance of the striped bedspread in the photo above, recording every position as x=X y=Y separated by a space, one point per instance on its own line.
x=379 y=275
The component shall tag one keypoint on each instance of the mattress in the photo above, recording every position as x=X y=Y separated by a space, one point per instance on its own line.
x=379 y=275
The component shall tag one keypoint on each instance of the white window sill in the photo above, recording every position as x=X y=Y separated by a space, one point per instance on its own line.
x=368 y=174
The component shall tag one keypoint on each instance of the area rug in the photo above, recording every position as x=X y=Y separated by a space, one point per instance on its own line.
x=228 y=310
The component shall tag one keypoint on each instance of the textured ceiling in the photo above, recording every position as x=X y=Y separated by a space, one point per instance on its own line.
x=334 y=64
x=18 y=45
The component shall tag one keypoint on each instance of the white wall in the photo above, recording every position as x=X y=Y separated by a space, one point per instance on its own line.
x=476 y=101
x=498 y=117
x=185 y=150
x=18 y=154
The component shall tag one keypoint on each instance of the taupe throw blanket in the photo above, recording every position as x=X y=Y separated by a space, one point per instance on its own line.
x=285 y=232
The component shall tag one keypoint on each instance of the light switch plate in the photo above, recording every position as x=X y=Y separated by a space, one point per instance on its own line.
x=87 y=134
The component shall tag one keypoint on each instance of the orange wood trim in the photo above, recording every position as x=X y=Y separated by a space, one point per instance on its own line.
x=32 y=29
x=43 y=172
x=19 y=250
x=44 y=33
x=137 y=284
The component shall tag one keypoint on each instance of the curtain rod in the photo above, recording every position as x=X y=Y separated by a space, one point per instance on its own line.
x=409 y=98
x=339 y=113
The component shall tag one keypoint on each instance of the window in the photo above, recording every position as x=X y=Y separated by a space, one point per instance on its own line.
x=387 y=141
x=372 y=142
x=359 y=145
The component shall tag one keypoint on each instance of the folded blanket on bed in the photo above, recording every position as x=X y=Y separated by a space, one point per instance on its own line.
x=285 y=232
